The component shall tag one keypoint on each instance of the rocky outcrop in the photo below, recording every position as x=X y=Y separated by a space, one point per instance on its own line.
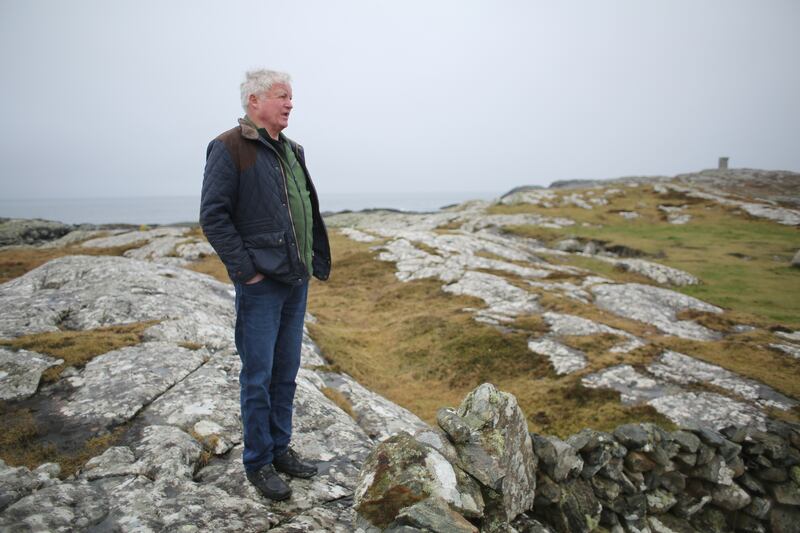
x=640 y=477
x=484 y=471
x=16 y=231
x=177 y=465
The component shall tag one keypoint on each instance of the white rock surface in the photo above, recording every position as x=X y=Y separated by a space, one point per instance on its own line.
x=85 y=292
x=20 y=372
x=137 y=236
x=659 y=273
x=679 y=368
x=358 y=235
x=656 y=306
x=565 y=360
x=504 y=300
x=707 y=409
x=114 y=386
x=563 y=324
x=377 y=416
x=633 y=386
x=790 y=349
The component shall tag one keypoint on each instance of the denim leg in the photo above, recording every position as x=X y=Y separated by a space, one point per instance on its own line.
x=285 y=365
x=261 y=310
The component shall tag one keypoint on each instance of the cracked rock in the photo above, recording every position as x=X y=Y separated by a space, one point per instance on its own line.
x=20 y=372
x=656 y=306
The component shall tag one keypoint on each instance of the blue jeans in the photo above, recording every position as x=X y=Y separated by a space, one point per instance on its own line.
x=269 y=334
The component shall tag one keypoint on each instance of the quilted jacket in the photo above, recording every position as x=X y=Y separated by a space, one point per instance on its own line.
x=244 y=210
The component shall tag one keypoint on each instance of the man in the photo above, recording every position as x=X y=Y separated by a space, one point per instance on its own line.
x=259 y=210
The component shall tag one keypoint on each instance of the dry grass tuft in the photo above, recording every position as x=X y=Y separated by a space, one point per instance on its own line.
x=191 y=345
x=340 y=400
x=15 y=262
x=77 y=348
x=212 y=266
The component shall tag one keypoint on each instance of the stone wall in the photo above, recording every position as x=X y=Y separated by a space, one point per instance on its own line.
x=480 y=470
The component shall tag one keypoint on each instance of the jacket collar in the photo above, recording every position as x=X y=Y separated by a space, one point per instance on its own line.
x=249 y=130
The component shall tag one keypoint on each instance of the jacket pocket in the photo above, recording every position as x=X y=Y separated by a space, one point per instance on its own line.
x=269 y=252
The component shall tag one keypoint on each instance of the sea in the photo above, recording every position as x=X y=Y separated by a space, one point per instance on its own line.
x=164 y=210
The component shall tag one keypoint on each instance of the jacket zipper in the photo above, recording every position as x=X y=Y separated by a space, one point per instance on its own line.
x=288 y=207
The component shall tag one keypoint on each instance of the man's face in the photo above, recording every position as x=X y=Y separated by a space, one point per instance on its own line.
x=271 y=110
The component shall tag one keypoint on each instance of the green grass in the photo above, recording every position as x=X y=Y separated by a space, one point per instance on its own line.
x=743 y=263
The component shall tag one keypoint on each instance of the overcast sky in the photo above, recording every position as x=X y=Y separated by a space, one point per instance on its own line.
x=107 y=99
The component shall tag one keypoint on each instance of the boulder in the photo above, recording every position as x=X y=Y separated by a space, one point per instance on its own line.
x=376 y=415
x=20 y=372
x=498 y=451
x=401 y=472
x=30 y=231
x=434 y=514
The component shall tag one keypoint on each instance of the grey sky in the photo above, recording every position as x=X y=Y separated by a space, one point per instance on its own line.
x=120 y=98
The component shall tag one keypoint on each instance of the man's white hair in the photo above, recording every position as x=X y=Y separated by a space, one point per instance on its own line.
x=260 y=81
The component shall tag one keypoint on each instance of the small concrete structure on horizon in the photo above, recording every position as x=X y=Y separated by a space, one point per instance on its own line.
x=723 y=163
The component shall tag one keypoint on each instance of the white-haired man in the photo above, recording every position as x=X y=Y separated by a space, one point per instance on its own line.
x=260 y=212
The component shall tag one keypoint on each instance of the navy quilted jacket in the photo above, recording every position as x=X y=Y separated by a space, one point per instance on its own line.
x=244 y=210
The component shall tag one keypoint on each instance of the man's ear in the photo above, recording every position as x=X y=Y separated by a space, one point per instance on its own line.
x=252 y=100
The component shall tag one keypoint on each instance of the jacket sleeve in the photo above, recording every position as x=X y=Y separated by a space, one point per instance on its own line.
x=218 y=202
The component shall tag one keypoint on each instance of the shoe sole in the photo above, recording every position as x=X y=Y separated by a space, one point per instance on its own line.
x=301 y=476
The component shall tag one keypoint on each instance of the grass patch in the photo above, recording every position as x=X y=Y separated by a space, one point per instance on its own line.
x=414 y=344
x=194 y=346
x=15 y=262
x=23 y=442
x=564 y=407
x=212 y=266
x=743 y=262
x=77 y=348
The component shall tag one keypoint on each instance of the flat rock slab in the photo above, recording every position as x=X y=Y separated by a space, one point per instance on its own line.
x=789 y=349
x=505 y=301
x=85 y=292
x=357 y=235
x=659 y=273
x=20 y=372
x=682 y=369
x=686 y=409
x=113 y=387
x=205 y=402
x=133 y=237
x=376 y=415
x=563 y=324
x=565 y=360
x=708 y=409
x=633 y=386
x=656 y=306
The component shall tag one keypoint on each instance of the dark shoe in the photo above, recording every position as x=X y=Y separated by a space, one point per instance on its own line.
x=290 y=463
x=269 y=483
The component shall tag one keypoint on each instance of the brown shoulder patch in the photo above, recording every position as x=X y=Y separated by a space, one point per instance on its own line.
x=243 y=151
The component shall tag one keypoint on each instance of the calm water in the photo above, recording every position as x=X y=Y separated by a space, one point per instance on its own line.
x=172 y=209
